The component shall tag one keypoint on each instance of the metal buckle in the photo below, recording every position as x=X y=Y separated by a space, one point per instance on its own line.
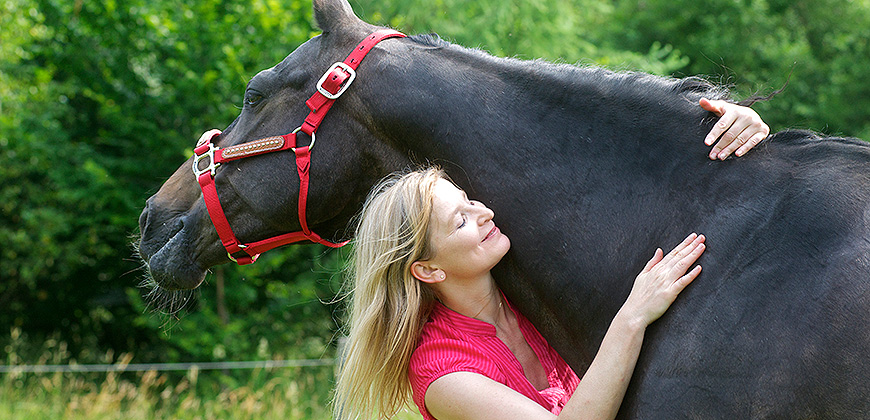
x=310 y=145
x=211 y=163
x=343 y=88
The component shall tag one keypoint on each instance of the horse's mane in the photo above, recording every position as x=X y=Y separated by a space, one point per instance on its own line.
x=429 y=40
x=656 y=88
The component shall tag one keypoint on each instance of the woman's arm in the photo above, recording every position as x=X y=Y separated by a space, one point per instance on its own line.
x=739 y=128
x=464 y=395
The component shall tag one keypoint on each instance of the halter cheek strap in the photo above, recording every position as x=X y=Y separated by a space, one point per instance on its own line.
x=208 y=157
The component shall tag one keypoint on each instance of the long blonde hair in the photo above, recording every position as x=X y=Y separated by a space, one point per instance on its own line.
x=389 y=306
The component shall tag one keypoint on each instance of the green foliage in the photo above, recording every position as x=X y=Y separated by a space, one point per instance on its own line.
x=265 y=314
x=100 y=102
x=757 y=44
x=556 y=30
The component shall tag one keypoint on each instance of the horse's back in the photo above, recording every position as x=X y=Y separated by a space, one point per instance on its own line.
x=776 y=327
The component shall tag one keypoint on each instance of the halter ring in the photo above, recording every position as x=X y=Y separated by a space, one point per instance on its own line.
x=310 y=145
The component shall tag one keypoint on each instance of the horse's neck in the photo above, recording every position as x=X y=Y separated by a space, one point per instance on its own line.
x=467 y=107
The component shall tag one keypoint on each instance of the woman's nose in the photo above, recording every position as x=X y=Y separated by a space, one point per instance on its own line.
x=485 y=214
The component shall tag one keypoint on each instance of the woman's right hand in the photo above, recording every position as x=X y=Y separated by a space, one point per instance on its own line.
x=663 y=278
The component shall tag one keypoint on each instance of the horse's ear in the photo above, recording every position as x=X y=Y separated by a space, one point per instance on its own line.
x=332 y=14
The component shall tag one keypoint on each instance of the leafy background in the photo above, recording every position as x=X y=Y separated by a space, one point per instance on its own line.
x=101 y=100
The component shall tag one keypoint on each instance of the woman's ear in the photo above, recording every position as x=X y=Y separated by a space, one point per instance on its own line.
x=424 y=272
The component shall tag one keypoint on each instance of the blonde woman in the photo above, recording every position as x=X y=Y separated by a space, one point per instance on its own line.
x=428 y=323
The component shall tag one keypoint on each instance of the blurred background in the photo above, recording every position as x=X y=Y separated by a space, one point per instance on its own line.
x=100 y=101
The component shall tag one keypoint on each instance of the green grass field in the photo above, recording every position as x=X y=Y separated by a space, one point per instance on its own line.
x=280 y=394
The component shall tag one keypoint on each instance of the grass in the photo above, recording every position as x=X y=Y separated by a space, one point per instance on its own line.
x=280 y=394
x=288 y=393
x=298 y=393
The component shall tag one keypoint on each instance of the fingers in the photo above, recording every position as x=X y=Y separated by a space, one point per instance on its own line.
x=685 y=280
x=712 y=106
x=657 y=256
x=689 y=256
x=673 y=268
x=684 y=248
x=738 y=130
x=753 y=141
x=725 y=120
x=663 y=278
x=735 y=137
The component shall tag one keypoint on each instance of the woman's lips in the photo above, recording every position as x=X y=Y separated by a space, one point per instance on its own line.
x=491 y=233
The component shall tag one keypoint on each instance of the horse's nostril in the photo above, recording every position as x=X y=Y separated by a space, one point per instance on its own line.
x=143 y=218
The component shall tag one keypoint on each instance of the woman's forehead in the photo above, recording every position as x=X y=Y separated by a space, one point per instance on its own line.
x=445 y=193
x=446 y=199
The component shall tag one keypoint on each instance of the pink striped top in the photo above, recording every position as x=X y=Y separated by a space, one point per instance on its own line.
x=452 y=342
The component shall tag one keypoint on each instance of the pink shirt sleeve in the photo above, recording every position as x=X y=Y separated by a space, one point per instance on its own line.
x=436 y=358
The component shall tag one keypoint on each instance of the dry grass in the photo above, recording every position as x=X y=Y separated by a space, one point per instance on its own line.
x=280 y=394
x=285 y=394
x=299 y=393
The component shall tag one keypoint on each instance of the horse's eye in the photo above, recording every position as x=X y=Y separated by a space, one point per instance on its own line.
x=252 y=98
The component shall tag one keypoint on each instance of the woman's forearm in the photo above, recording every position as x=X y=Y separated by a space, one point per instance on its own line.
x=600 y=392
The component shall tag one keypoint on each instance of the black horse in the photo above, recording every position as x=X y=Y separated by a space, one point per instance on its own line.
x=588 y=171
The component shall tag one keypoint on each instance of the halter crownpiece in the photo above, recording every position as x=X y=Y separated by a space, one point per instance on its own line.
x=208 y=157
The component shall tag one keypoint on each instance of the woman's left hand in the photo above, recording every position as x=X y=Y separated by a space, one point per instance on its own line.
x=739 y=128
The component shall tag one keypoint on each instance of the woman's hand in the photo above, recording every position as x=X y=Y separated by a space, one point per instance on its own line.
x=739 y=128
x=663 y=278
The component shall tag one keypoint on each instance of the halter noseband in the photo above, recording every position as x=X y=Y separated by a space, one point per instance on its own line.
x=207 y=157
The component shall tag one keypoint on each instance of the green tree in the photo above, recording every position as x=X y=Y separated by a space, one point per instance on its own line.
x=556 y=30
x=99 y=102
x=757 y=44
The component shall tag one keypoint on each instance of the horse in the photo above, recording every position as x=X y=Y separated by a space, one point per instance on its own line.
x=588 y=171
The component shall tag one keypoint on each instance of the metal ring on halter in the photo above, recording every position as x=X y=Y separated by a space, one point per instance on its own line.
x=233 y=259
x=310 y=145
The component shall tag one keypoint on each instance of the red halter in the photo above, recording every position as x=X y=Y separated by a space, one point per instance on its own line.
x=207 y=157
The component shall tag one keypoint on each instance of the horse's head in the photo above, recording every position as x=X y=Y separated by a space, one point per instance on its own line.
x=259 y=195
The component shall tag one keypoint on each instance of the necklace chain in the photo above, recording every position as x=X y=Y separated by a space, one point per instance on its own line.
x=500 y=305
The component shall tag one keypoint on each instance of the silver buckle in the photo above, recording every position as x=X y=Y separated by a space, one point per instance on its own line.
x=343 y=88
x=211 y=163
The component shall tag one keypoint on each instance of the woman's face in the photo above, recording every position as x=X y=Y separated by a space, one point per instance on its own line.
x=466 y=241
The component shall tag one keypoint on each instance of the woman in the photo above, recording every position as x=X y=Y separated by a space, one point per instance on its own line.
x=428 y=319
